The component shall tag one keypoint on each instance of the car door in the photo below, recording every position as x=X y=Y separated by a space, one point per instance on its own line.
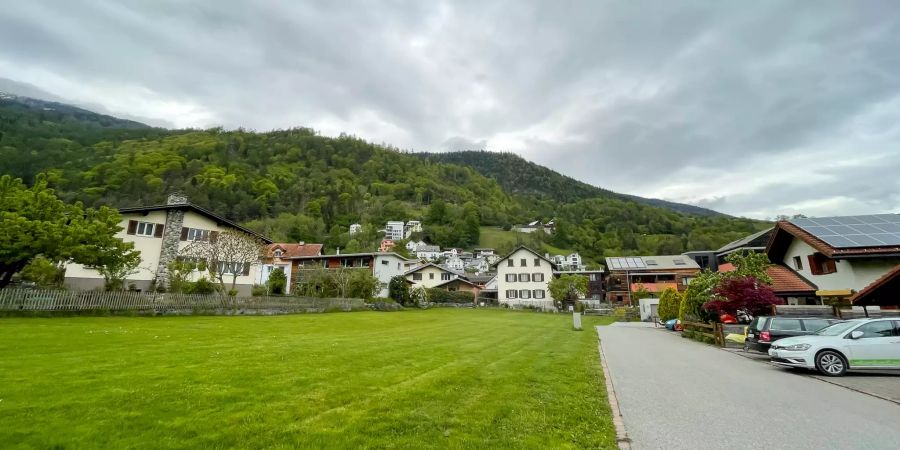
x=877 y=347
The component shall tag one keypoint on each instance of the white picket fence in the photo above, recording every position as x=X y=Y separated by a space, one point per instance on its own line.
x=61 y=300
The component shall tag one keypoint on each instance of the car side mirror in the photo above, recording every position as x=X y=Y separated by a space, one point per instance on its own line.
x=856 y=334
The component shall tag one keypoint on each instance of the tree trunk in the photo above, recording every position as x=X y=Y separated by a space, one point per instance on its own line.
x=8 y=270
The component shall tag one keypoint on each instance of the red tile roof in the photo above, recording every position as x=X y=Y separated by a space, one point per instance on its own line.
x=867 y=297
x=783 y=279
x=295 y=250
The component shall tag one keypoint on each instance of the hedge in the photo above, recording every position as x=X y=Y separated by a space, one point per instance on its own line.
x=442 y=296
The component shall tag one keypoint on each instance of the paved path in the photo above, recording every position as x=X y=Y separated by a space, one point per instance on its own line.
x=675 y=393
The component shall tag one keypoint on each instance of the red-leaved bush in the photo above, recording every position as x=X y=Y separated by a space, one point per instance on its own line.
x=742 y=293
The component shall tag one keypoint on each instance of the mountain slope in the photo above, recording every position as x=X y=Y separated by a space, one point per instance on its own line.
x=295 y=185
x=519 y=176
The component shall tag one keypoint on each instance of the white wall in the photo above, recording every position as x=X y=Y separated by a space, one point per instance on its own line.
x=503 y=269
x=387 y=266
x=431 y=277
x=853 y=274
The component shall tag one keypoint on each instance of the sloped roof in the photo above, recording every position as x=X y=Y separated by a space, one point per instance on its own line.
x=651 y=263
x=445 y=269
x=786 y=231
x=428 y=248
x=522 y=247
x=784 y=280
x=460 y=280
x=292 y=250
x=202 y=211
x=882 y=292
x=756 y=240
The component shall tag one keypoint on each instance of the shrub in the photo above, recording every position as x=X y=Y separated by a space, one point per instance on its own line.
x=361 y=284
x=669 y=303
x=201 y=286
x=277 y=281
x=442 y=296
x=258 y=290
x=398 y=290
x=743 y=293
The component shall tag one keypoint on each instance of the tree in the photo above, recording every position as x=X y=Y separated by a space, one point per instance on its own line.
x=34 y=222
x=229 y=253
x=749 y=264
x=277 y=282
x=398 y=290
x=43 y=272
x=362 y=284
x=743 y=293
x=699 y=291
x=568 y=288
x=437 y=212
x=669 y=302
x=117 y=267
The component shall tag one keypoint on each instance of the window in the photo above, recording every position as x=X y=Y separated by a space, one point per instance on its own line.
x=537 y=262
x=523 y=262
x=537 y=277
x=785 y=325
x=539 y=293
x=144 y=229
x=815 y=324
x=524 y=277
x=593 y=277
x=417 y=277
x=524 y=293
x=798 y=263
x=445 y=276
x=231 y=268
x=686 y=280
x=384 y=262
x=511 y=293
x=881 y=328
x=196 y=234
x=431 y=276
x=820 y=264
x=509 y=263
x=278 y=253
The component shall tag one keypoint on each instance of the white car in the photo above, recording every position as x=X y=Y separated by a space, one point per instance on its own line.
x=851 y=345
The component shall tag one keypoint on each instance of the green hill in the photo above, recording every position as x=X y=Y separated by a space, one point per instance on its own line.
x=295 y=185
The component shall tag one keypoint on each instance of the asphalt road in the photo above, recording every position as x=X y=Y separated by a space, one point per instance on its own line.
x=675 y=393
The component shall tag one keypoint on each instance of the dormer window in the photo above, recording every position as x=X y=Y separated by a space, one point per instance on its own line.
x=278 y=253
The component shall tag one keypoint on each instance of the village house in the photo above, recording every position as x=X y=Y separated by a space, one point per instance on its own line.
x=523 y=277
x=386 y=245
x=413 y=226
x=279 y=256
x=431 y=275
x=428 y=252
x=839 y=256
x=160 y=233
x=596 y=287
x=786 y=284
x=653 y=273
x=413 y=245
x=355 y=228
x=383 y=266
x=394 y=231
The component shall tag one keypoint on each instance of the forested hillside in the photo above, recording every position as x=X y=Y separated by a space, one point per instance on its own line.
x=295 y=185
x=519 y=176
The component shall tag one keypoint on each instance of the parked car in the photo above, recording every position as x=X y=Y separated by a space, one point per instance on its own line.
x=851 y=345
x=764 y=330
x=673 y=324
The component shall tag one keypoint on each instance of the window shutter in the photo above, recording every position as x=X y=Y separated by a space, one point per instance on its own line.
x=132 y=226
x=246 y=269
x=184 y=232
x=158 y=230
x=813 y=266
x=213 y=235
x=831 y=266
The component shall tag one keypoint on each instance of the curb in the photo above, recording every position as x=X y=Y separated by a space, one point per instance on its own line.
x=622 y=439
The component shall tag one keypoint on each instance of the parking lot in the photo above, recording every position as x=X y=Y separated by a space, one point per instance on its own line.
x=885 y=385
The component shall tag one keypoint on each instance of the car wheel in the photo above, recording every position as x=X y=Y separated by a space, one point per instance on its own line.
x=831 y=363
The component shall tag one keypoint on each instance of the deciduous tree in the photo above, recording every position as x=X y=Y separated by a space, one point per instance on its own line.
x=228 y=254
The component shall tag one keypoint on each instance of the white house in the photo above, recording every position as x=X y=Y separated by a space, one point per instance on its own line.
x=430 y=275
x=278 y=256
x=394 y=231
x=428 y=252
x=477 y=264
x=160 y=233
x=413 y=245
x=355 y=228
x=455 y=263
x=523 y=276
x=839 y=256
x=413 y=226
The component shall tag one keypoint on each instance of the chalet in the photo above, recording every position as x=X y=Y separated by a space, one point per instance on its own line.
x=787 y=284
x=653 y=273
x=840 y=256
x=160 y=233
x=523 y=276
x=754 y=243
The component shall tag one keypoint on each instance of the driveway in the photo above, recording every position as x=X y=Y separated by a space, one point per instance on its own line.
x=677 y=393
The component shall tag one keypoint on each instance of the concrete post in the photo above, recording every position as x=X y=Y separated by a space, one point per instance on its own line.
x=576 y=320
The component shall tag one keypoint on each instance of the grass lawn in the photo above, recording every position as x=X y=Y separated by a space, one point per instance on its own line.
x=415 y=379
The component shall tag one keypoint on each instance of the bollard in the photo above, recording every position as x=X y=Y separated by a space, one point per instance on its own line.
x=576 y=320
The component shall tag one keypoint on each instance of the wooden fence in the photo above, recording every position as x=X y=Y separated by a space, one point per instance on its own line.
x=86 y=301
x=708 y=330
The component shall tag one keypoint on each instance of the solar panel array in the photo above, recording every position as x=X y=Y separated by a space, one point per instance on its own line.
x=879 y=230
x=625 y=263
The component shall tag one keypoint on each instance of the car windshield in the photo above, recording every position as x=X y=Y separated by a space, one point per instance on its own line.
x=836 y=329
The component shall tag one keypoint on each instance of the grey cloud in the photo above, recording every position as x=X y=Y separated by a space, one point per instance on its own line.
x=631 y=96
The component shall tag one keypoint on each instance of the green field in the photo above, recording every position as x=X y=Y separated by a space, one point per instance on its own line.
x=414 y=379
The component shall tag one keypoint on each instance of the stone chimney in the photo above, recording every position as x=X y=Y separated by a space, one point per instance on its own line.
x=176 y=198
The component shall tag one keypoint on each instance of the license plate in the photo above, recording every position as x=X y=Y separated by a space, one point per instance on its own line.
x=750 y=335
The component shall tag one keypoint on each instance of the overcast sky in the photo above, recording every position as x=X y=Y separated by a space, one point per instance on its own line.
x=750 y=108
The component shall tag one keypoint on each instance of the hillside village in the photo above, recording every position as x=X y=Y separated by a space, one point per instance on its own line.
x=812 y=264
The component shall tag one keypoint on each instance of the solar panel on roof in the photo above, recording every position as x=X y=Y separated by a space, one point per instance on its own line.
x=878 y=230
